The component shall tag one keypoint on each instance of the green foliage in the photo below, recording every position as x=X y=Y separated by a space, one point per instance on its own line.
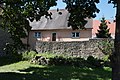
x=103 y=31
x=113 y=2
x=107 y=61
x=11 y=51
x=28 y=55
x=91 y=62
x=80 y=10
x=16 y=15
x=106 y=58
x=94 y=62
x=106 y=47
x=48 y=55
x=59 y=60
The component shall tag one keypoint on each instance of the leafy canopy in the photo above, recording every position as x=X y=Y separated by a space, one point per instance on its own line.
x=80 y=10
x=113 y=2
x=17 y=14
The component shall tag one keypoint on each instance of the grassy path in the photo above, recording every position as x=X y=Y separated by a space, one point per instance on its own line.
x=23 y=70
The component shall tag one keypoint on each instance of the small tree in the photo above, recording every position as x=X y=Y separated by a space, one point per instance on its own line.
x=103 y=31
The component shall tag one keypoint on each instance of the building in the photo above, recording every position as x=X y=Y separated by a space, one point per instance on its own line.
x=56 y=29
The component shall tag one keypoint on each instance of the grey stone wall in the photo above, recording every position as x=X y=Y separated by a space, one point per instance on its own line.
x=78 y=48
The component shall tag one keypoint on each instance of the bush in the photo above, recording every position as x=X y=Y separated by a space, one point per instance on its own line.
x=79 y=62
x=106 y=47
x=59 y=60
x=106 y=60
x=91 y=62
x=94 y=62
x=28 y=55
x=12 y=51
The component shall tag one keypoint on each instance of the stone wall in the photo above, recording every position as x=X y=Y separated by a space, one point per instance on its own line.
x=79 y=48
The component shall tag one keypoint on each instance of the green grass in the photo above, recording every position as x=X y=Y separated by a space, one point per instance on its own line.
x=23 y=70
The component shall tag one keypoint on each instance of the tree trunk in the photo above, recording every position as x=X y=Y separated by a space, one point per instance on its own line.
x=116 y=55
x=28 y=41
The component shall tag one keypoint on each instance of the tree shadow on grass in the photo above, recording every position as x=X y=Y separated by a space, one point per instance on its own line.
x=58 y=73
x=8 y=60
x=19 y=76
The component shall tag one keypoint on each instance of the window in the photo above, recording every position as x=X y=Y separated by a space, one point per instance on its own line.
x=75 y=34
x=37 y=34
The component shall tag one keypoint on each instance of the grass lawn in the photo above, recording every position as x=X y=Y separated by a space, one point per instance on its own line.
x=23 y=70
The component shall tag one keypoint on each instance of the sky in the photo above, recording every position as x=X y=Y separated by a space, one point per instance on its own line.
x=106 y=9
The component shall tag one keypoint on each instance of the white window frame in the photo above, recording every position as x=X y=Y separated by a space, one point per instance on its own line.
x=75 y=34
x=37 y=34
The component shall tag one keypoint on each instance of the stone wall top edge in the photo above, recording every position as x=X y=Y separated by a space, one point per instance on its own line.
x=96 y=39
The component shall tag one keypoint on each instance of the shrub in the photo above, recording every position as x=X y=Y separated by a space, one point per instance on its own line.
x=12 y=51
x=79 y=62
x=94 y=62
x=59 y=60
x=106 y=47
x=106 y=60
x=28 y=55
x=91 y=62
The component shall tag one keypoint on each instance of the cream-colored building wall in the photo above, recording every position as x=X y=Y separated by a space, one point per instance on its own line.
x=32 y=40
x=61 y=35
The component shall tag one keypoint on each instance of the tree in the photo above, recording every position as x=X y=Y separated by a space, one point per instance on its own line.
x=115 y=58
x=80 y=10
x=16 y=13
x=103 y=31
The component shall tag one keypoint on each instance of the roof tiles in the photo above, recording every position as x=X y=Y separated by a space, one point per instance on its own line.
x=58 y=21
